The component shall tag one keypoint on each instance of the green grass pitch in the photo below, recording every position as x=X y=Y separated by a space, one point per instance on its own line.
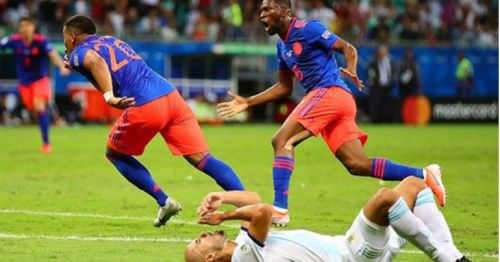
x=72 y=205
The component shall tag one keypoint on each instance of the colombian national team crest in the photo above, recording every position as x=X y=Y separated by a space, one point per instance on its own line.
x=297 y=48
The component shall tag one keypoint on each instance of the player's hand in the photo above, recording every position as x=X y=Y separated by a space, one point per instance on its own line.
x=212 y=219
x=67 y=65
x=64 y=71
x=121 y=102
x=232 y=108
x=210 y=203
x=354 y=77
x=66 y=60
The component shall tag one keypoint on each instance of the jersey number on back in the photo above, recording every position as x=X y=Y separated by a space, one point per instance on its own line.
x=122 y=46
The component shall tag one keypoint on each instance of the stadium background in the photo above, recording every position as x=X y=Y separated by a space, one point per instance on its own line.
x=206 y=47
x=72 y=205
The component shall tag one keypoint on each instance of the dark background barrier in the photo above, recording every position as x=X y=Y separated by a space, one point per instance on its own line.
x=210 y=69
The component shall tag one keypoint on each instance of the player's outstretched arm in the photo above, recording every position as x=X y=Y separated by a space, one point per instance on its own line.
x=258 y=215
x=282 y=89
x=96 y=65
x=57 y=60
x=351 y=57
x=213 y=201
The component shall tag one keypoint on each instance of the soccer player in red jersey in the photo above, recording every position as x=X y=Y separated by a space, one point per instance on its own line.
x=305 y=51
x=30 y=53
x=152 y=105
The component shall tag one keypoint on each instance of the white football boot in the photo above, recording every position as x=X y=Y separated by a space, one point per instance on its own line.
x=280 y=219
x=171 y=208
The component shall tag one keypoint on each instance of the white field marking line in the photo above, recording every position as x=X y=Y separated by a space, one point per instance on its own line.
x=69 y=214
x=121 y=239
x=175 y=240
x=465 y=254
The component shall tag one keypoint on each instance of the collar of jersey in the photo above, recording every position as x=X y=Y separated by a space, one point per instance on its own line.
x=290 y=29
x=88 y=39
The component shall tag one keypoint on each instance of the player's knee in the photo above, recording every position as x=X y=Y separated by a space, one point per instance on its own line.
x=39 y=109
x=278 y=142
x=415 y=182
x=39 y=106
x=386 y=197
x=109 y=157
x=265 y=210
x=194 y=159
x=112 y=155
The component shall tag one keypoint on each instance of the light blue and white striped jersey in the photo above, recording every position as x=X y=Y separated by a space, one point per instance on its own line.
x=288 y=246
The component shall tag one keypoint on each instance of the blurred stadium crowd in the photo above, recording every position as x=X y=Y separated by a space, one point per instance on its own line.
x=384 y=23
x=429 y=22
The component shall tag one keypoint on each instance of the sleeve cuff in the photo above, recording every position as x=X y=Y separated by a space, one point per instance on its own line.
x=335 y=43
x=260 y=244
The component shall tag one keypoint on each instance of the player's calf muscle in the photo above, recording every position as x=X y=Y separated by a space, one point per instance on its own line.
x=358 y=166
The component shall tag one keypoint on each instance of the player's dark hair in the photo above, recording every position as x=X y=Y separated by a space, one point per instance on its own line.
x=284 y=3
x=28 y=19
x=81 y=24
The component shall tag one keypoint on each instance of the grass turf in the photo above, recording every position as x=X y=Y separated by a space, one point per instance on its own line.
x=86 y=209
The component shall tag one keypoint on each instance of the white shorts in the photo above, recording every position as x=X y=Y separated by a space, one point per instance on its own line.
x=369 y=242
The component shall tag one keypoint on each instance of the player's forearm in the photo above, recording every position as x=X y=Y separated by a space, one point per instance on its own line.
x=275 y=92
x=247 y=213
x=56 y=59
x=351 y=57
x=258 y=215
x=240 y=198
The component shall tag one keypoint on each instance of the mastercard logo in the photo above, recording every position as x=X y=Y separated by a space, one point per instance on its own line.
x=416 y=110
